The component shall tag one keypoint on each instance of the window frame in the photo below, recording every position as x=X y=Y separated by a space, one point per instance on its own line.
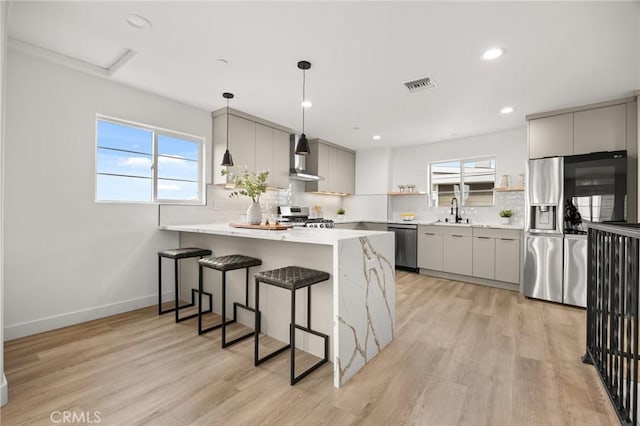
x=155 y=131
x=462 y=161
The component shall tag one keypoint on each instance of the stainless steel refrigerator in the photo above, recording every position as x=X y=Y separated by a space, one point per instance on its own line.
x=544 y=219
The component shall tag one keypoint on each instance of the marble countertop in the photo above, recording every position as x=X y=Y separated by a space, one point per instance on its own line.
x=295 y=235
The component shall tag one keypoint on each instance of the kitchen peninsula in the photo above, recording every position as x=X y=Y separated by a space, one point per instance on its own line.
x=356 y=307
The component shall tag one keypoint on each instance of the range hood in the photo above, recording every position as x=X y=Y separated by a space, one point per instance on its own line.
x=297 y=163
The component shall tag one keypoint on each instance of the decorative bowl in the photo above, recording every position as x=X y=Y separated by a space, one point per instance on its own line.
x=407 y=216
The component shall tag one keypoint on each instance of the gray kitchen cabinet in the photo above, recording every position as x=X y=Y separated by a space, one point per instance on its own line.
x=484 y=257
x=600 y=129
x=457 y=254
x=551 y=136
x=279 y=177
x=430 y=244
x=255 y=143
x=507 y=255
x=263 y=148
x=335 y=164
x=349 y=225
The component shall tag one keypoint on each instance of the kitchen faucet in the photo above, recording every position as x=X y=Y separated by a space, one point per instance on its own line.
x=458 y=218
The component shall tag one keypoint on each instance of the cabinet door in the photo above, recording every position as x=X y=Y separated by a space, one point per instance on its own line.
x=333 y=173
x=507 y=260
x=429 y=251
x=242 y=142
x=457 y=256
x=551 y=136
x=600 y=129
x=280 y=168
x=349 y=174
x=484 y=257
x=264 y=149
x=323 y=167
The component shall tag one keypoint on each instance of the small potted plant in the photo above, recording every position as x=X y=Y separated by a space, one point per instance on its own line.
x=505 y=215
x=340 y=212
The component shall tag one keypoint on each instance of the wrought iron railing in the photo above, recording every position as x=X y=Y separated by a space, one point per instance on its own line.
x=612 y=313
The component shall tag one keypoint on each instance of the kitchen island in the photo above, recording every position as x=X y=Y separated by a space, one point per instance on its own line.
x=356 y=307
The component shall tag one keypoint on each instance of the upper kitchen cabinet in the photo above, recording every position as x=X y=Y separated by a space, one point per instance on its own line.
x=551 y=136
x=585 y=129
x=600 y=129
x=253 y=142
x=335 y=164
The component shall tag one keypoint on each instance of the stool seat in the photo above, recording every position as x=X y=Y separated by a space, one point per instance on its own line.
x=292 y=277
x=183 y=253
x=230 y=262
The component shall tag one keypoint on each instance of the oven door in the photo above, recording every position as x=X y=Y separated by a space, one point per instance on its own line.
x=597 y=185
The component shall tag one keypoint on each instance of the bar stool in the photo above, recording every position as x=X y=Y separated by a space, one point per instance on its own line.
x=177 y=254
x=291 y=278
x=225 y=264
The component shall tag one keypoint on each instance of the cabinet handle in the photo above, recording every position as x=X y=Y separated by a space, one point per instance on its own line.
x=457 y=236
x=429 y=233
x=484 y=238
x=507 y=239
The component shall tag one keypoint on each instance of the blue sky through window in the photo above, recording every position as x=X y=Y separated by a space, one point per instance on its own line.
x=125 y=157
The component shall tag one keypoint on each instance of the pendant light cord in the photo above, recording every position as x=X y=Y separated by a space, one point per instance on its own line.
x=227 y=124
x=304 y=81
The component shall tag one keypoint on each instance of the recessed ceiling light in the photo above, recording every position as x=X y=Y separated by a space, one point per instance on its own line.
x=356 y=128
x=493 y=53
x=507 y=110
x=137 y=21
x=306 y=104
x=376 y=137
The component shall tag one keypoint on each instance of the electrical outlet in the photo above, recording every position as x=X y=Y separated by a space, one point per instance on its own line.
x=218 y=204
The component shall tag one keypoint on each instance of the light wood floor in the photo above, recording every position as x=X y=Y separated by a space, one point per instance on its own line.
x=463 y=354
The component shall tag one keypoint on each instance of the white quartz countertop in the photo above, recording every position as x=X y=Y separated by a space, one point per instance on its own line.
x=434 y=222
x=295 y=235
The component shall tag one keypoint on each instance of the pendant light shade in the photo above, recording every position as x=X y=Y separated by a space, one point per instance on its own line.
x=302 y=148
x=227 y=160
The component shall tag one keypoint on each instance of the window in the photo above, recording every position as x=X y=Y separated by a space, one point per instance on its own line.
x=138 y=163
x=476 y=178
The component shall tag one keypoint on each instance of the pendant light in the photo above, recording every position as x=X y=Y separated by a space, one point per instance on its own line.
x=303 y=144
x=227 y=160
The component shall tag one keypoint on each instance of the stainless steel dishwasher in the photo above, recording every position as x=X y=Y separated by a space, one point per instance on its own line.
x=406 y=245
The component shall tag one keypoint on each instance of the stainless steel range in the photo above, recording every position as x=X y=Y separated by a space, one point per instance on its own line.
x=299 y=217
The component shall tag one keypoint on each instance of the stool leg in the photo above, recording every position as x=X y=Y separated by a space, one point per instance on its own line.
x=224 y=309
x=309 y=307
x=177 y=289
x=200 y=290
x=292 y=336
x=246 y=289
x=256 y=326
x=159 y=285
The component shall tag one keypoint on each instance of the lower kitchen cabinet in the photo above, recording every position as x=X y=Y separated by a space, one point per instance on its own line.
x=484 y=257
x=457 y=254
x=507 y=260
x=429 y=249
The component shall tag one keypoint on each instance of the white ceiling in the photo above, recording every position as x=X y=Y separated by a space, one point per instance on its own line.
x=559 y=54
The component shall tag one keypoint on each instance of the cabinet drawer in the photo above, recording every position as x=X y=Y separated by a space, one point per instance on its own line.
x=497 y=233
x=465 y=231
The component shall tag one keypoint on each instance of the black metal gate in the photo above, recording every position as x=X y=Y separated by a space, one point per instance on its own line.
x=612 y=313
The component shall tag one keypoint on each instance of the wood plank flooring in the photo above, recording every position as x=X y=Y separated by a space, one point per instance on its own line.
x=463 y=355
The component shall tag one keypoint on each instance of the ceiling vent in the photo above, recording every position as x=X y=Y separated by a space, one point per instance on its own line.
x=421 y=84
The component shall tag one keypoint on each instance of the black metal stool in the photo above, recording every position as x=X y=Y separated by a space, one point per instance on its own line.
x=291 y=278
x=176 y=255
x=224 y=264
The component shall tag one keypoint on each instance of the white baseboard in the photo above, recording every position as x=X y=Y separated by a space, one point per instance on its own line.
x=70 y=318
x=4 y=394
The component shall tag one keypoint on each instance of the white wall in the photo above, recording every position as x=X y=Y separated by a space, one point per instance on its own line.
x=373 y=171
x=67 y=258
x=4 y=18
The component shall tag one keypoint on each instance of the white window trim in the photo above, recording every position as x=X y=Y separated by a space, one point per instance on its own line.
x=202 y=200
x=461 y=161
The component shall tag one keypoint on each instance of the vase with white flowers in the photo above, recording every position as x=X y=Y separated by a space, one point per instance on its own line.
x=252 y=185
